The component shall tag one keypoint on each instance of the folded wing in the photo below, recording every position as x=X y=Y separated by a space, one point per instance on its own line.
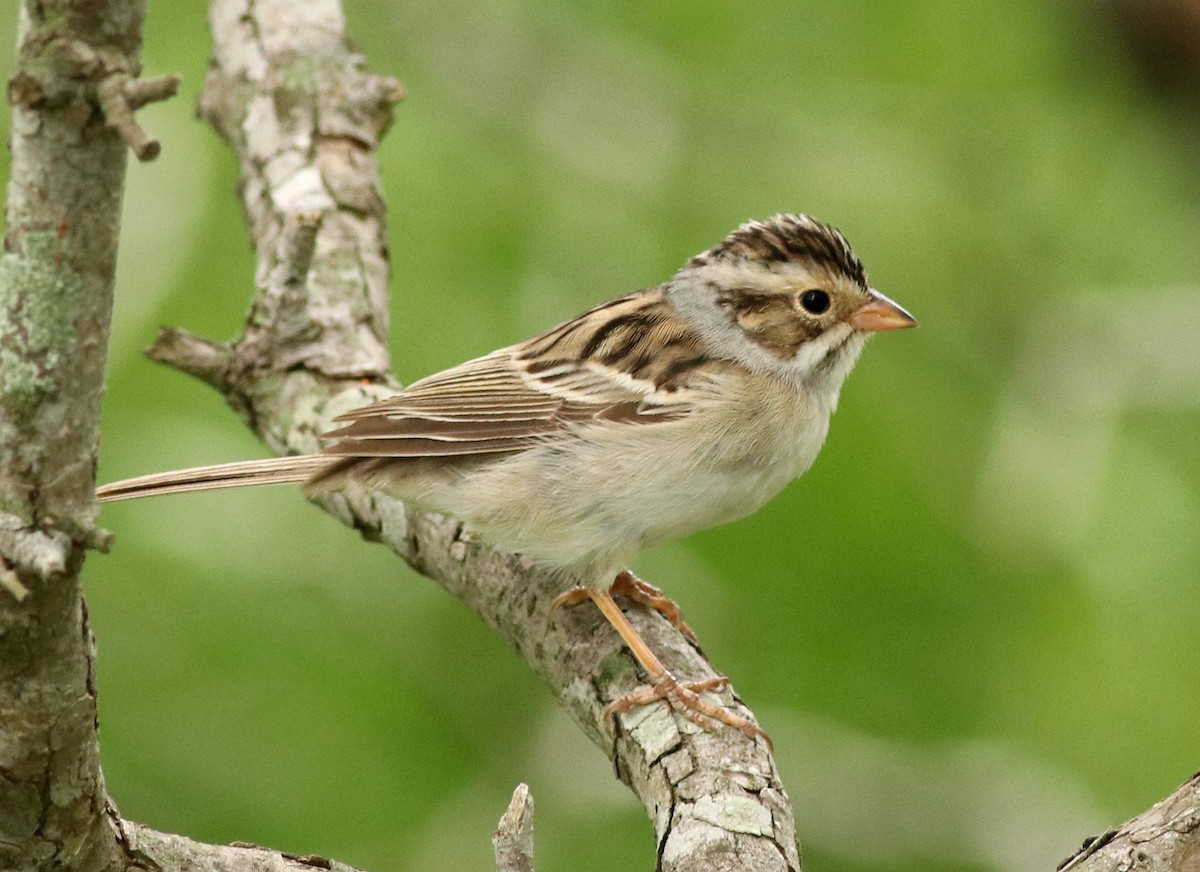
x=628 y=360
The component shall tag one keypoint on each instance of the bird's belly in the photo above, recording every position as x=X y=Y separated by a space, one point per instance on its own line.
x=681 y=502
x=595 y=503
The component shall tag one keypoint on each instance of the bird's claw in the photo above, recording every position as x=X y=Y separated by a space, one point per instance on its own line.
x=629 y=586
x=684 y=697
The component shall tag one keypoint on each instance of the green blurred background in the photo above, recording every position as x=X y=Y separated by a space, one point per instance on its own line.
x=970 y=629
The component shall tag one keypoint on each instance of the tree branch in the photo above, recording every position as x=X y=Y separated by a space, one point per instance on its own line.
x=1165 y=836
x=163 y=852
x=513 y=839
x=120 y=95
x=56 y=283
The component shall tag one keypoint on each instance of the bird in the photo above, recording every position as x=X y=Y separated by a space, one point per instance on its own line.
x=646 y=418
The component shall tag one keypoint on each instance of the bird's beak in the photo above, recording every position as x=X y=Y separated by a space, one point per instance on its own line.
x=879 y=313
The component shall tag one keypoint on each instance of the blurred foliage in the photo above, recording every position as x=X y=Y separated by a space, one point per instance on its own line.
x=970 y=628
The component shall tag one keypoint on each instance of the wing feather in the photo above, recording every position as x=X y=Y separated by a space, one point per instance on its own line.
x=629 y=360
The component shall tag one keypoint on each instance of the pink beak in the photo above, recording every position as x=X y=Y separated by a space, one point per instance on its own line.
x=878 y=314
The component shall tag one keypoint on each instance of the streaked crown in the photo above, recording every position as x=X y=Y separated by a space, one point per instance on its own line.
x=788 y=238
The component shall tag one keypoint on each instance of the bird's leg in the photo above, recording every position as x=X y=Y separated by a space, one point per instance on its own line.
x=682 y=696
x=631 y=587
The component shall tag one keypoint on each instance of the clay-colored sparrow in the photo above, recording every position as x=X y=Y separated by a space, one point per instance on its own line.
x=647 y=418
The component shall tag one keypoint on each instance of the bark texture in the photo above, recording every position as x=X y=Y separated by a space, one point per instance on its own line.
x=1164 y=837
x=513 y=839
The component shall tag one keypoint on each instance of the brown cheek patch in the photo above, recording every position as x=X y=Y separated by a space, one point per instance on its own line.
x=771 y=322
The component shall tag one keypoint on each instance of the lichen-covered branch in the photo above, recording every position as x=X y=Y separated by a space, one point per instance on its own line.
x=56 y=284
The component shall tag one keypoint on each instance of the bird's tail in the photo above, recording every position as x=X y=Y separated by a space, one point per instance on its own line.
x=244 y=473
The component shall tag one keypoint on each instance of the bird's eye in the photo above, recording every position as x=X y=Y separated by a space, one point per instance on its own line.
x=815 y=301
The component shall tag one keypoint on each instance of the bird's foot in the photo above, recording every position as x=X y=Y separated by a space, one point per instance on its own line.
x=684 y=697
x=628 y=585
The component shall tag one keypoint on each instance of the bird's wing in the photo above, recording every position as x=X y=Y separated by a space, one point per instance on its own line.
x=629 y=360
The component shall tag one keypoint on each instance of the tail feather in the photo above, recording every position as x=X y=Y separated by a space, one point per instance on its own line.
x=244 y=473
